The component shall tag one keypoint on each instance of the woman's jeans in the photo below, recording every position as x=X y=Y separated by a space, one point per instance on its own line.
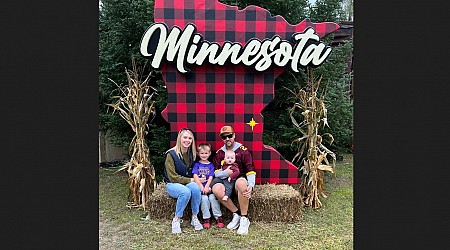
x=184 y=193
x=207 y=201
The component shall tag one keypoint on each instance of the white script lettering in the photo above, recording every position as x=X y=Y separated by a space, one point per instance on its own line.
x=188 y=47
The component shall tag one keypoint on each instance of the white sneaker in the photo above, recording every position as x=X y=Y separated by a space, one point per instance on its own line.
x=176 y=228
x=196 y=223
x=234 y=222
x=243 y=227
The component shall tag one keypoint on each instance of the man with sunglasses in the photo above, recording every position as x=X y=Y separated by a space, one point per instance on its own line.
x=244 y=183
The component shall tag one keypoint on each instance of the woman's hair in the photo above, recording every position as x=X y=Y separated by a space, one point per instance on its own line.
x=177 y=147
x=204 y=146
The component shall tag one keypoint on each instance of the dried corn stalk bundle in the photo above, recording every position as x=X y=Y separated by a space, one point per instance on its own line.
x=136 y=107
x=315 y=162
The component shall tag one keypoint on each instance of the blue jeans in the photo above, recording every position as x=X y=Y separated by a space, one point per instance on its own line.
x=184 y=193
x=210 y=201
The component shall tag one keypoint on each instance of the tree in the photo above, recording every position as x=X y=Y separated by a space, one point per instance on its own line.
x=327 y=11
x=337 y=97
x=121 y=24
x=348 y=9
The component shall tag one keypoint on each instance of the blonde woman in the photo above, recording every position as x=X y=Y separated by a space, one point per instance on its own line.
x=180 y=182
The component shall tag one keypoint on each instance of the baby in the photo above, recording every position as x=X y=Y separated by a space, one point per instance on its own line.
x=230 y=158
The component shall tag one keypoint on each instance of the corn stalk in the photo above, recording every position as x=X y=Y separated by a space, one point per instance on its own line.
x=315 y=162
x=135 y=106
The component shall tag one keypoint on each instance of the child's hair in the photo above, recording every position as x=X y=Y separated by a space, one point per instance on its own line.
x=204 y=146
x=230 y=152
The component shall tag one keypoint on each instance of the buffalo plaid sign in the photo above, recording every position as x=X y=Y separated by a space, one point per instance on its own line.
x=208 y=96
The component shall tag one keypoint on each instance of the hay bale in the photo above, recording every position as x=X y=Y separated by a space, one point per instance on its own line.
x=269 y=202
x=160 y=204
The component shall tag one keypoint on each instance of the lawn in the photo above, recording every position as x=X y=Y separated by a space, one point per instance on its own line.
x=330 y=227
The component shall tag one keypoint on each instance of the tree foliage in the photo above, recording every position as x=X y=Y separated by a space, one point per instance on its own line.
x=121 y=25
x=337 y=96
x=328 y=11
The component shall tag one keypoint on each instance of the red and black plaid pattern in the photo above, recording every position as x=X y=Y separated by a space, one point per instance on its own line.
x=210 y=96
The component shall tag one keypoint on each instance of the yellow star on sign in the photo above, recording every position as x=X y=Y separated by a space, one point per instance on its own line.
x=252 y=123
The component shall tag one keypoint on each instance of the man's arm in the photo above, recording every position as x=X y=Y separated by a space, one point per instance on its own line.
x=251 y=174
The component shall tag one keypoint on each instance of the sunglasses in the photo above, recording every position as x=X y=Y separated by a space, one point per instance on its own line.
x=224 y=137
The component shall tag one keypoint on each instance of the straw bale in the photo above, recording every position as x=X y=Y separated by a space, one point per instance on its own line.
x=160 y=204
x=269 y=202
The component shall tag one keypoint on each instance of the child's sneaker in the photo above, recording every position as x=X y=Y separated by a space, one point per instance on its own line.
x=196 y=223
x=220 y=222
x=225 y=198
x=206 y=223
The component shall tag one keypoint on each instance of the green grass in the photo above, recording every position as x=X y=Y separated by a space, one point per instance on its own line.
x=330 y=227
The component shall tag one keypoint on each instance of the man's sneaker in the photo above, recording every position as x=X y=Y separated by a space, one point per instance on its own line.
x=234 y=222
x=243 y=227
x=196 y=223
x=220 y=222
x=206 y=223
x=176 y=228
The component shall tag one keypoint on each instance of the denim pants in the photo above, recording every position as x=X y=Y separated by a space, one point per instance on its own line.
x=184 y=193
x=207 y=201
